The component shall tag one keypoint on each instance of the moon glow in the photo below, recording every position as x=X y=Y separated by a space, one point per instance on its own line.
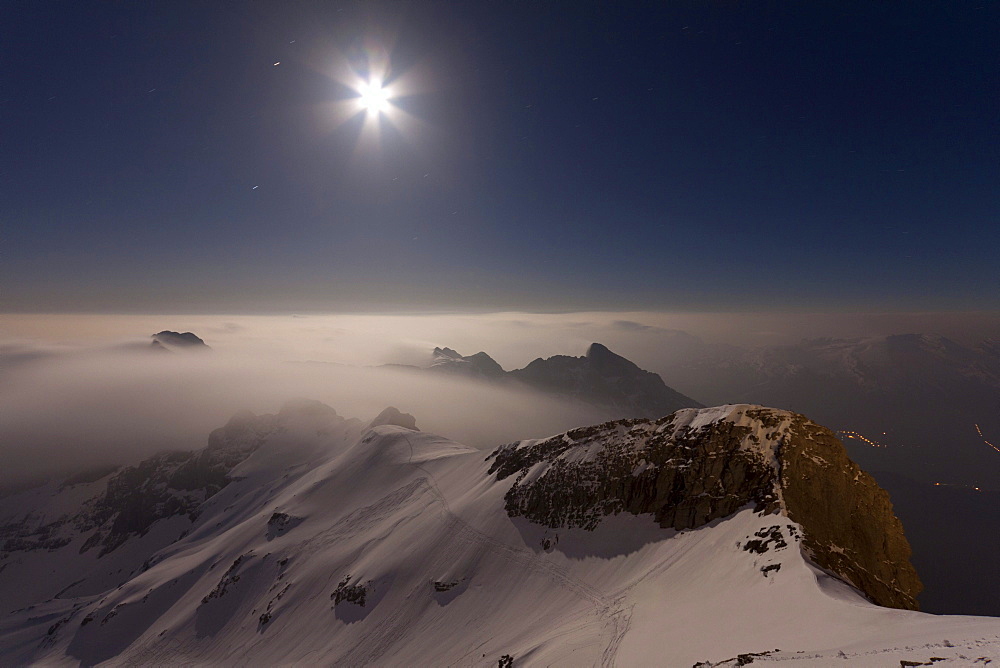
x=373 y=98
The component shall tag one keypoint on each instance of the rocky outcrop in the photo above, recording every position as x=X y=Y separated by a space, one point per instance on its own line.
x=695 y=466
x=684 y=477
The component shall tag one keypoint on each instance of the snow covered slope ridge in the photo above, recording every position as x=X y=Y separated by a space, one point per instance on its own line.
x=695 y=466
x=328 y=542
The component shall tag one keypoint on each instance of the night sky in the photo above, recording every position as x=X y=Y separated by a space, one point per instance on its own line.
x=541 y=155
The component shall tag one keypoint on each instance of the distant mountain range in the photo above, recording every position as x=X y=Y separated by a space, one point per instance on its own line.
x=920 y=398
x=600 y=378
x=712 y=537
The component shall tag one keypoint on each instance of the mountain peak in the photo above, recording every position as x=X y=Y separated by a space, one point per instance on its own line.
x=479 y=365
x=601 y=357
x=605 y=378
x=168 y=339
x=485 y=364
x=393 y=416
x=597 y=350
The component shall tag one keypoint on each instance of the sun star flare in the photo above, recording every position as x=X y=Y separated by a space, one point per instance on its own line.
x=373 y=98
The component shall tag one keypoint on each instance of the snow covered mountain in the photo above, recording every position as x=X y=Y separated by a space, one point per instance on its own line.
x=723 y=535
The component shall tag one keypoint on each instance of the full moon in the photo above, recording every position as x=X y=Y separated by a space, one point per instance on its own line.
x=373 y=98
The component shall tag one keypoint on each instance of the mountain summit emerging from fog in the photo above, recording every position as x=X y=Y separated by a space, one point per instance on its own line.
x=167 y=340
x=601 y=378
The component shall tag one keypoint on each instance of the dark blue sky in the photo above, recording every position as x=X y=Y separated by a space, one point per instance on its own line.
x=565 y=155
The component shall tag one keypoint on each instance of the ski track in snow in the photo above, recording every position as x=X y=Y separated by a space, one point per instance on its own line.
x=608 y=609
x=632 y=606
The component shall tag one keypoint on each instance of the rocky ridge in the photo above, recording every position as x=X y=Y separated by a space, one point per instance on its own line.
x=696 y=466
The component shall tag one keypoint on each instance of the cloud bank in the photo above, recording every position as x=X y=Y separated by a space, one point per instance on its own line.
x=80 y=390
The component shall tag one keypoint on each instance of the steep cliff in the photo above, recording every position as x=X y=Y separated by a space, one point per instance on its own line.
x=696 y=466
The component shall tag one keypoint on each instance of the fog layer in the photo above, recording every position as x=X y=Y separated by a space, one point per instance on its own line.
x=79 y=390
x=69 y=410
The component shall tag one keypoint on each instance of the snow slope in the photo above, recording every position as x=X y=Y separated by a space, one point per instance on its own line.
x=393 y=548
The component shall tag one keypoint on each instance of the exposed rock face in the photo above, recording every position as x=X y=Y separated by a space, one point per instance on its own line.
x=352 y=593
x=167 y=339
x=850 y=525
x=685 y=478
x=602 y=377
x=173 y=483
x=696 y=466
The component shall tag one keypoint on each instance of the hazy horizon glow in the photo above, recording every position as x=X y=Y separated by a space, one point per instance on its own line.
x=509 y=336
x=83 y=389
